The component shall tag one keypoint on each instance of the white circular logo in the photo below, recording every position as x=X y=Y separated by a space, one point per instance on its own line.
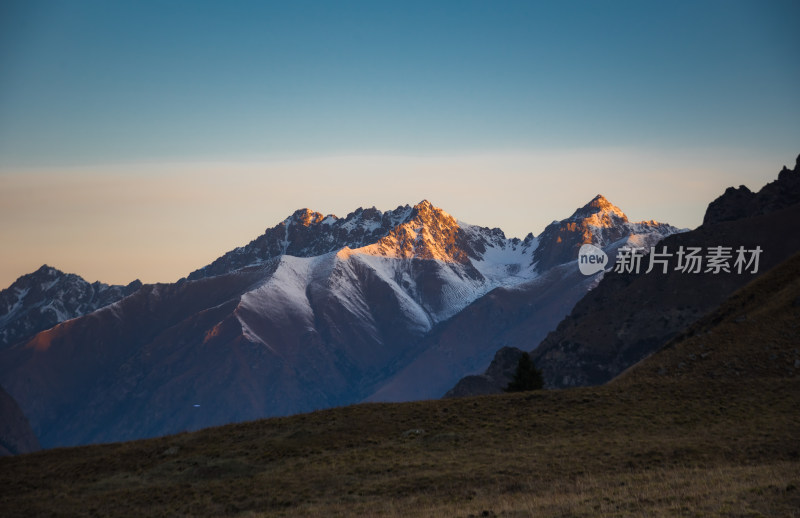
x=591 y=259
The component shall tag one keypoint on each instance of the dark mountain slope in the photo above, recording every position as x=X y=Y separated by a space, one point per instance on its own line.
x=74 y=380
x=629 y=315
x=741 y=203
x=16 y=436
x=40 y=300
x=754 y=334
x=467 y=342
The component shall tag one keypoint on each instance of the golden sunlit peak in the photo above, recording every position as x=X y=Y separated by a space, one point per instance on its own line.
x=306 y=217
x=601 y=202
x=428 y=233
x=425 y=207
x=598 y=205
x=599 y=212
x=344 y=253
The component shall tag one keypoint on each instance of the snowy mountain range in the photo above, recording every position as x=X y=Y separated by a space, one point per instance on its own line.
x=318 y=311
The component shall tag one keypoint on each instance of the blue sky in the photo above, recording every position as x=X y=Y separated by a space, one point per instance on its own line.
x=100 y=86
x=88 y=82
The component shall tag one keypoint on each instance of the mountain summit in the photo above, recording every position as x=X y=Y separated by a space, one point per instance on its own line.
x=599 y=212
x=599 y=222
x=427 y=233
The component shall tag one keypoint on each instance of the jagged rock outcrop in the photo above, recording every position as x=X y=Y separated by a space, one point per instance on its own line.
x=48 y=296
x=307 y=234
x=741 y=203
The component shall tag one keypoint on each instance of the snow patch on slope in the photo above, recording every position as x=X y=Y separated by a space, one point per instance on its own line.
x=397 y=274
x=285 y=291
x=505 y=262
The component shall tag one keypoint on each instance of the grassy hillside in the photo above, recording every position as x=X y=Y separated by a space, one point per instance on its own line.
x=754 y=335
x=709 y=426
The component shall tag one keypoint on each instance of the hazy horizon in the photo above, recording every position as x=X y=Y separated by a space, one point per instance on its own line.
x=143 y=139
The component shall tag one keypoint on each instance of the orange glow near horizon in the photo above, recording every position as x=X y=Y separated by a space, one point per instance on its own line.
x=159 y=222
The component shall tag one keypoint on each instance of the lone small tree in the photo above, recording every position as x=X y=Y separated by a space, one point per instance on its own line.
x=526 y=377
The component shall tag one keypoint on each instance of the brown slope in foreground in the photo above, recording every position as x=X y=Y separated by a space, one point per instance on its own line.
x=716 y=436
x=754 y=335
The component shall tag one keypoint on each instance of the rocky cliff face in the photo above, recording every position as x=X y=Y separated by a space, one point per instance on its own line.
x=751 y=337
x=308 y=234
x=46 y=297
x=742 y=203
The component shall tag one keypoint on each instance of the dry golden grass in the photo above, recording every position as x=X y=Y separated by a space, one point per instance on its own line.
x=667 y=449
x=733 y=491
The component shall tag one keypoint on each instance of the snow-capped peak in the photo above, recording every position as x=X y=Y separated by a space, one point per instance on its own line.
x=428 y=233
x=599 y=212
x=434 y=264
x=600 y=223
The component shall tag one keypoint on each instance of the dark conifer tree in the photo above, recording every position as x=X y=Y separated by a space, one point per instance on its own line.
x=526 y=377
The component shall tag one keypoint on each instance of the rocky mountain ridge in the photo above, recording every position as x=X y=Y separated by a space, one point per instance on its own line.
x=48 y=296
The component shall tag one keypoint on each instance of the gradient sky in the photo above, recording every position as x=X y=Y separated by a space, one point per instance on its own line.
x=144 y=139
